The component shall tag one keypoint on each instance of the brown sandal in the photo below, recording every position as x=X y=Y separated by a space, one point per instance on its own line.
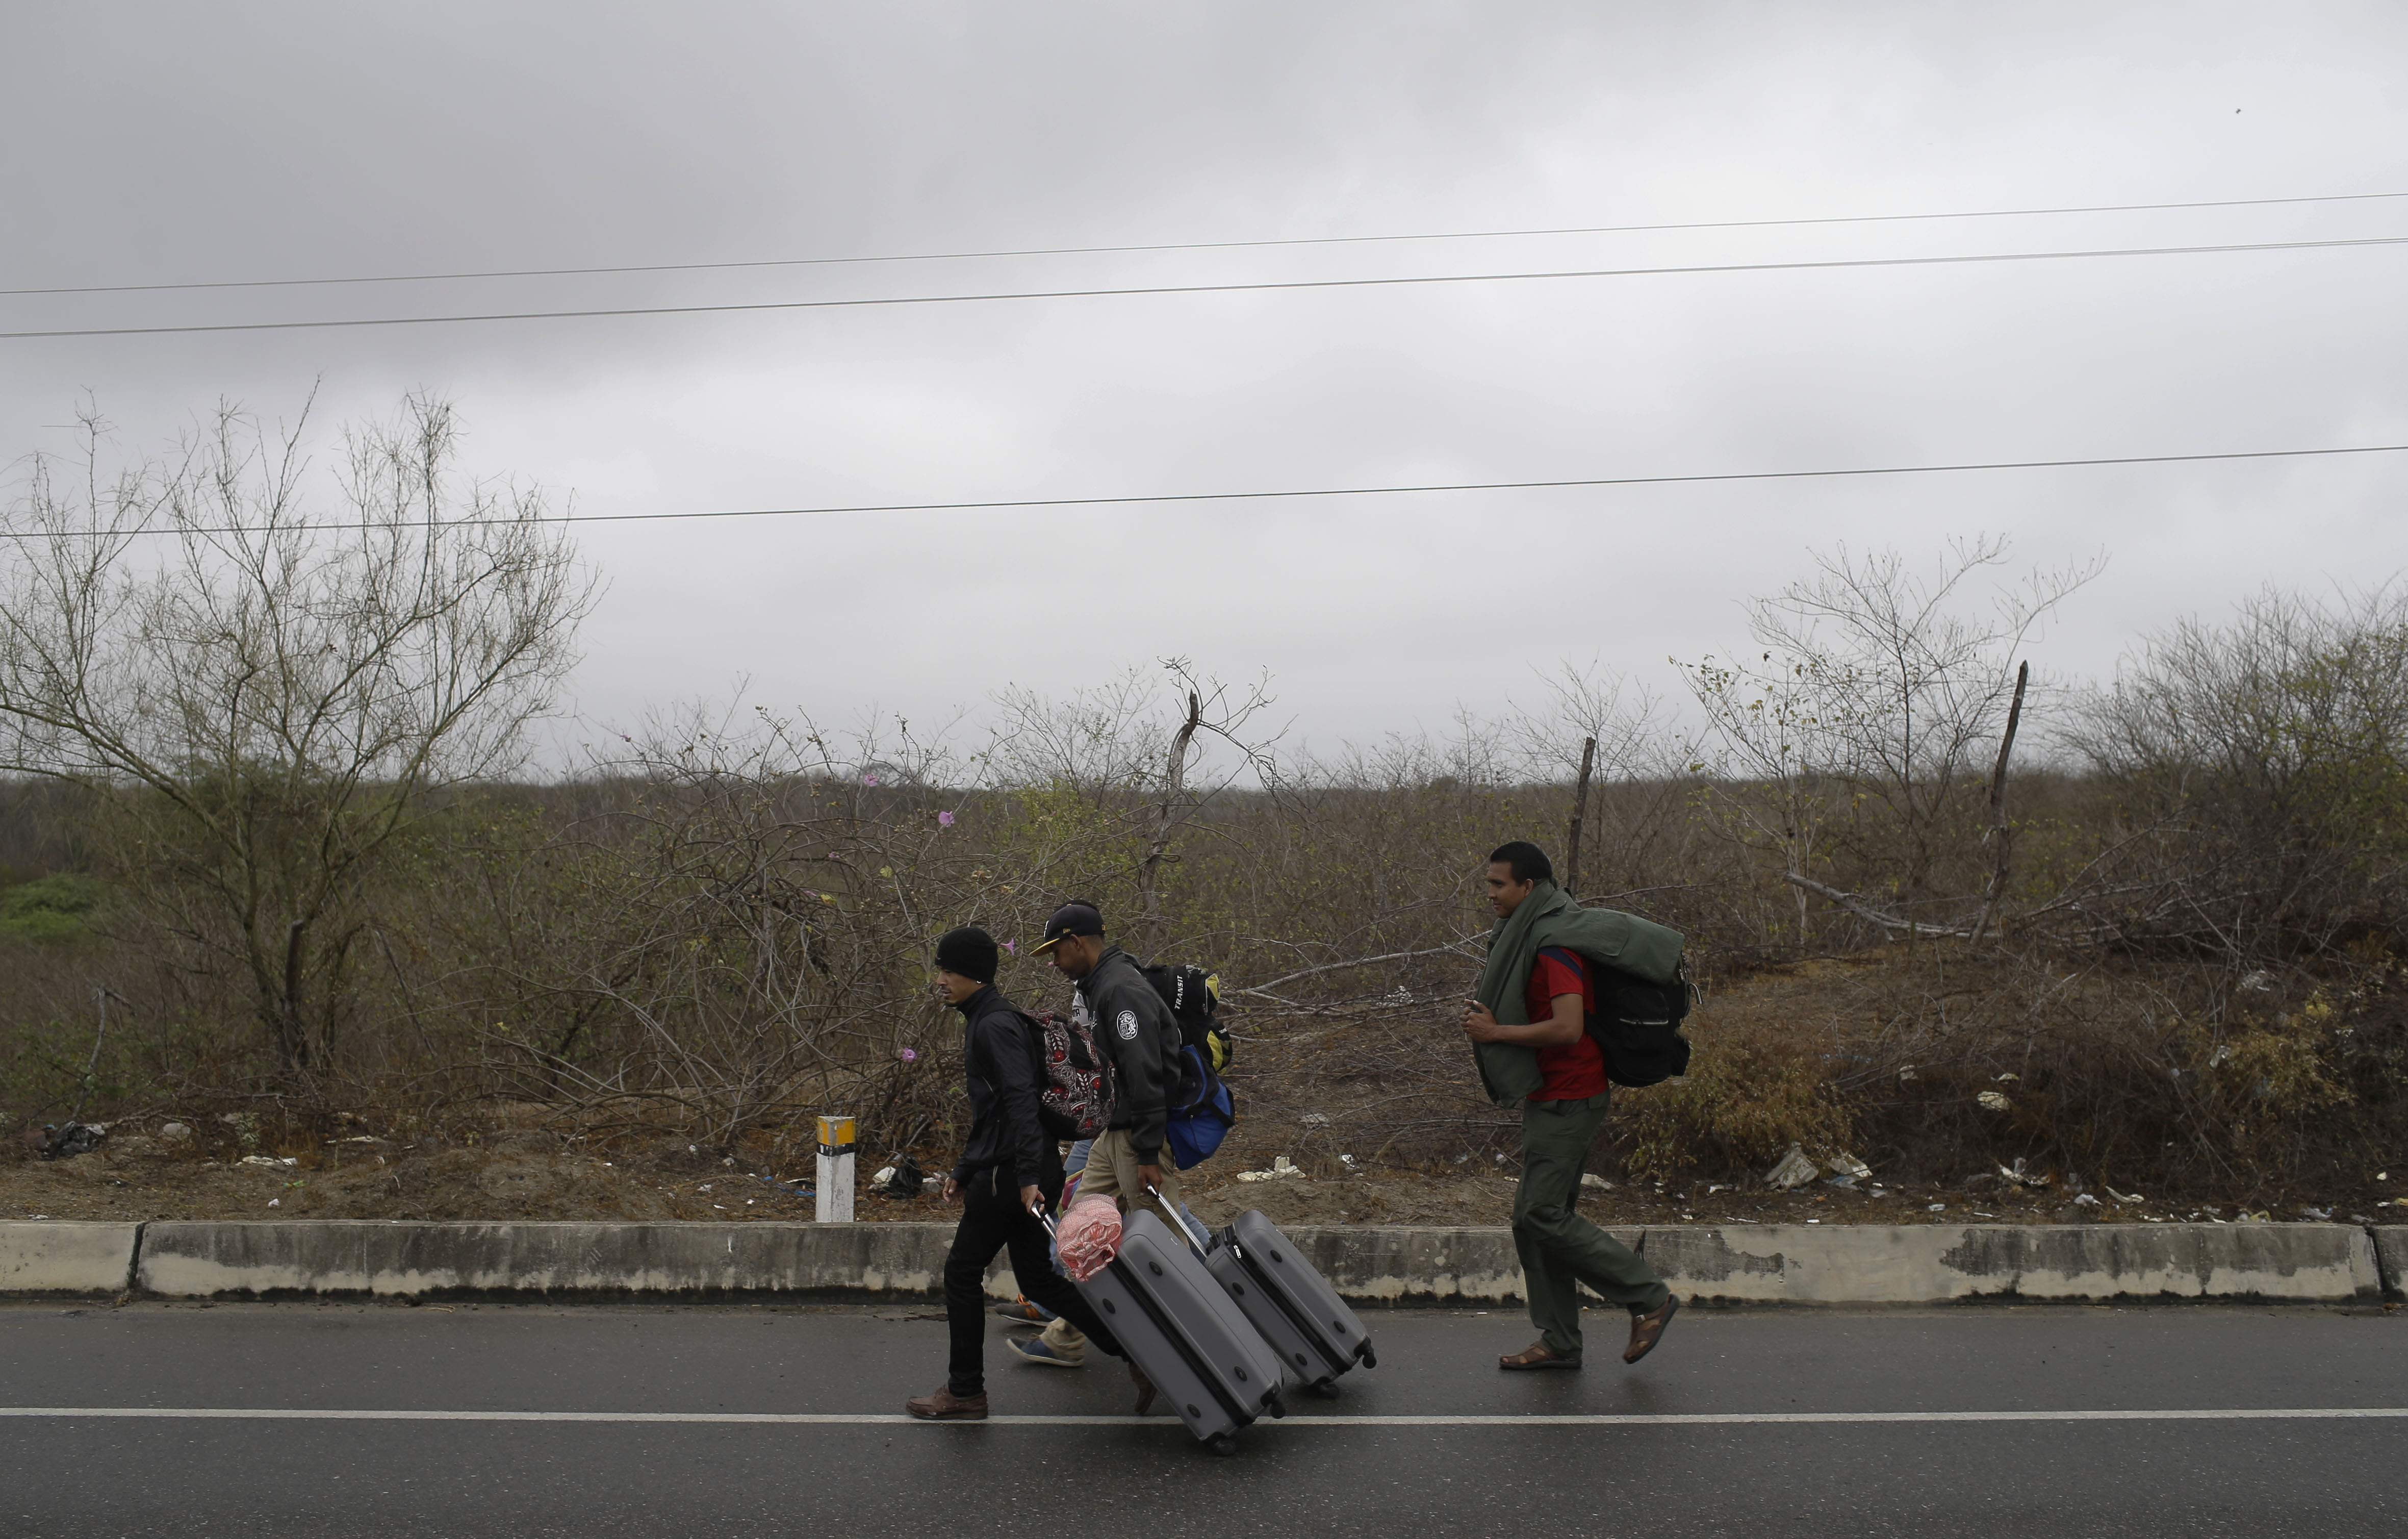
x=1537 y=1355
x=1648 y=1329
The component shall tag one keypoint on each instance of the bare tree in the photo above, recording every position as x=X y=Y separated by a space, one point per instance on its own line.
x=267 y=696
x=1875 y=695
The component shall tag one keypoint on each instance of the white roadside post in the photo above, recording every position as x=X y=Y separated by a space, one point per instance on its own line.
x=834 y=1189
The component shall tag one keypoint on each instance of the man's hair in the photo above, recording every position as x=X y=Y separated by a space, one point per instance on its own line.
x=1530 y=862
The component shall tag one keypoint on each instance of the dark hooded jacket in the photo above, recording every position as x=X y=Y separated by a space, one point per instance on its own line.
x=1133 y=1024
x=999 y=1066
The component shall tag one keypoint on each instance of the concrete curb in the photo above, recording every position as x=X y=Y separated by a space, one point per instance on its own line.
x=1792 y=1264
x=45 y=1259
x=2391 y=1259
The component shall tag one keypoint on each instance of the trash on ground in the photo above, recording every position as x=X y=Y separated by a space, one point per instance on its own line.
x=1316 y=1120
x=2322 y=1216
x=2126 y=1196
x=67 y=1139
x=2010 y=1077
x=175 y=1132
x=263 y=1161
x=1991 y=1101
x=2021 y=1177
x=1848 y=1165
x=2258 y=983
x=1280 y=1170
x=1845 y=1183
x=1794 y=1170
x=1596 y=1182
x=2086 y=1201
x=1937 y=1207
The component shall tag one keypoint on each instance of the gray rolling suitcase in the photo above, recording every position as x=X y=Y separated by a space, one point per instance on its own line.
x=1302 y=1317
x=1185 y=1334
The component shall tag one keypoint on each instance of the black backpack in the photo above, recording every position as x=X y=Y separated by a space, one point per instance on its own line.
x=1637 y=1025
x=1194 y=997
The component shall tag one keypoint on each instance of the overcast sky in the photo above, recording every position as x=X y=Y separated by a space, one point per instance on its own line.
x=167 y=142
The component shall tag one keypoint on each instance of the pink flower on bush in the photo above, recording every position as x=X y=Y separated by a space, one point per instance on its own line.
x=944 y=820
x=869 y=780
x=1012 y=946
x=906 y=1055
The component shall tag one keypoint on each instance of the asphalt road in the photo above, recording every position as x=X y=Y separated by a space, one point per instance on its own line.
x=1434 y=1440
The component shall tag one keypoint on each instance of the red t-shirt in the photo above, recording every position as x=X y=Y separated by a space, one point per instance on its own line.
x=1575 y=1072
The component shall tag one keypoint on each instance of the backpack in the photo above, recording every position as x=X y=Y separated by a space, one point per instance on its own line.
x=1076 y=1100
x=1203 y=1111
x=1637 y=1025
x=1194 y=997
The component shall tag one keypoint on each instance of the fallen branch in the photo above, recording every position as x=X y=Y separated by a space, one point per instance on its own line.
x=1871 y=915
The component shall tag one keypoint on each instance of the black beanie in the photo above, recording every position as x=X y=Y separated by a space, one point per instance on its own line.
x=968 y=950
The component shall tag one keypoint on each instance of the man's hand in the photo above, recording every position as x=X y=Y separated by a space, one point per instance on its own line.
x=953 y=1189
x=1150 y=1177
x=1031 y=1198
x=1480 y=1024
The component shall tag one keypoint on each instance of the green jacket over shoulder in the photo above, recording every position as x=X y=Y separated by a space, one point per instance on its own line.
x=1549 y=916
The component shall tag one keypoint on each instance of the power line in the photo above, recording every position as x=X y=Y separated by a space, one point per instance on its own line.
x=1207 y=288
x=1002 y=505
x=1209 y=245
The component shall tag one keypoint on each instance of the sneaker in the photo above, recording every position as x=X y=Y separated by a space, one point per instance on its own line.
x=1021 y=1312
x=1034 y=1349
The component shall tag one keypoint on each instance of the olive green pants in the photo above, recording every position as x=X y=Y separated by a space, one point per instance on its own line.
x=1560 y=1249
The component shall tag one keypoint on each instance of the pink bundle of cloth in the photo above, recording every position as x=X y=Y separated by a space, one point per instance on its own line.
x=1088 y=1237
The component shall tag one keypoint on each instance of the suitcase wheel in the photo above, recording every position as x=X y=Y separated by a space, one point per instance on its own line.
x=1221 y=1444
x=1369 y=1360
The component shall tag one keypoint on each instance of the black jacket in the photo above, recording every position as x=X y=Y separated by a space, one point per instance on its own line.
x=1132 y=1024
x=999 y=1066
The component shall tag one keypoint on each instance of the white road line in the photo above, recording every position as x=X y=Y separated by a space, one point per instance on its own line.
x=744 y=1418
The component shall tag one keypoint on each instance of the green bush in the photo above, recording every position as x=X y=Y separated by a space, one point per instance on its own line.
x=50 y=909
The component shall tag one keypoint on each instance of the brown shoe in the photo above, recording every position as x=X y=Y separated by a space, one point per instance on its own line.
x=944 y=1405
x=1537 y=1355
x=1648 y=1329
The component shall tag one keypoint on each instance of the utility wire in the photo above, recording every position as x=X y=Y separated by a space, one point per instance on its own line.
x=1210 y=245
x=1206 y=288
x=1017 y=503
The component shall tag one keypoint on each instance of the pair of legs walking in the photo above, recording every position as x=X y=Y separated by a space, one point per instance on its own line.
x=1111 y=1170
x=1560 y=1250
x=993 y=1220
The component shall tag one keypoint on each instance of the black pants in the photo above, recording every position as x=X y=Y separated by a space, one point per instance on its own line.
x=992 y=1220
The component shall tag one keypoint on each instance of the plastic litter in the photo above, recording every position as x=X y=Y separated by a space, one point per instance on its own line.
x=1992 y=1100
x=2126 y=1196
x=65 y=1140
x=2321 y=1215
x=2086 y=1201
x=1597 y=1183
x=1794 y=1170
x=1850 y=1166
x=259 y=1160
x=2017 y=1175
x=1281 y=1171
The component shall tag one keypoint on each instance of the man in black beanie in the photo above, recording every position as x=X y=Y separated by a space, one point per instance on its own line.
x=1008 y=1166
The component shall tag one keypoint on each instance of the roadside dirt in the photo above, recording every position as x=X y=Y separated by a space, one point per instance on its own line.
x=137 y=1176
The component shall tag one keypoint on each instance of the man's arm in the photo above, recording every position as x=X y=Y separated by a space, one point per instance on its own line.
x=1015 y=1093
x=1560 y=1030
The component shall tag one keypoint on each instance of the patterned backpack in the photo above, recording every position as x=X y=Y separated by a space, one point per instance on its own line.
x=1076 y=1100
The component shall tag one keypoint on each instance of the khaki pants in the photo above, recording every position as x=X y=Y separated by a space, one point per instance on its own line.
x=1111 y=1171
x=1560 y=1249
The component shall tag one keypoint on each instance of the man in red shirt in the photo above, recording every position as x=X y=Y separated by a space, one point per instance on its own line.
x=1559 y=1249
